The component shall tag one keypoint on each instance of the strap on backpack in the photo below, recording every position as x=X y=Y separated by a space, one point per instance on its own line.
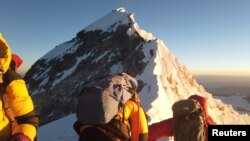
x=8 y=112
x=192 y=115
x=115 y=129
x=109 y=132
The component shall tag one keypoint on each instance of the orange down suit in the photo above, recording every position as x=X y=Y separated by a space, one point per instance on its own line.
x=137 y=118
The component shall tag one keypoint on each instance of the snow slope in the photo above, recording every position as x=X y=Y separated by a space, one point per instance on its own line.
x=62 y=129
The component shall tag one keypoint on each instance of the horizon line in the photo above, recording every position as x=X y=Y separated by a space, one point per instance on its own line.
x=221 y=73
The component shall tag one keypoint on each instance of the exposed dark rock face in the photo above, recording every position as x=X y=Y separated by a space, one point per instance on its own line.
x=55 y=100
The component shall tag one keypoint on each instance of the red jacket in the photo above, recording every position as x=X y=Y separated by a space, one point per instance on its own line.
x=166 y=127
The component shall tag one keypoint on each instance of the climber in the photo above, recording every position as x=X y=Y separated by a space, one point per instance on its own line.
x=18 y=119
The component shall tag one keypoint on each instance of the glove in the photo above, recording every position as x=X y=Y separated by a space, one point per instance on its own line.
x=19 y=137
x=77 y=125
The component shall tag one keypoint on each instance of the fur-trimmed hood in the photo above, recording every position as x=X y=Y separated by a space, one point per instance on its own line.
x=5 y=54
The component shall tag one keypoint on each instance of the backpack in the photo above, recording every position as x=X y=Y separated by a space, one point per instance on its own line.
x=99 y=103
x=190 y=123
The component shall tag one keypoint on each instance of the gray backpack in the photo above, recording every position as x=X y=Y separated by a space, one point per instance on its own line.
x=190 y=124
x=101 y=100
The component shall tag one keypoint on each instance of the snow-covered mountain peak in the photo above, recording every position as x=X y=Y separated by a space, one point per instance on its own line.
x=116 y=18
x=115 y=43
x=111 y=21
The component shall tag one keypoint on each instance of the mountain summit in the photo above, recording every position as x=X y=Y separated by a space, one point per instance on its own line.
x=113 y=44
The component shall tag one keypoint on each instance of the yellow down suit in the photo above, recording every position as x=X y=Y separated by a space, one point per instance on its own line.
x=17 y=113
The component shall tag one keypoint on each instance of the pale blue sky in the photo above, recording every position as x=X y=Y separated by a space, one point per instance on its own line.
x=205 y=35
